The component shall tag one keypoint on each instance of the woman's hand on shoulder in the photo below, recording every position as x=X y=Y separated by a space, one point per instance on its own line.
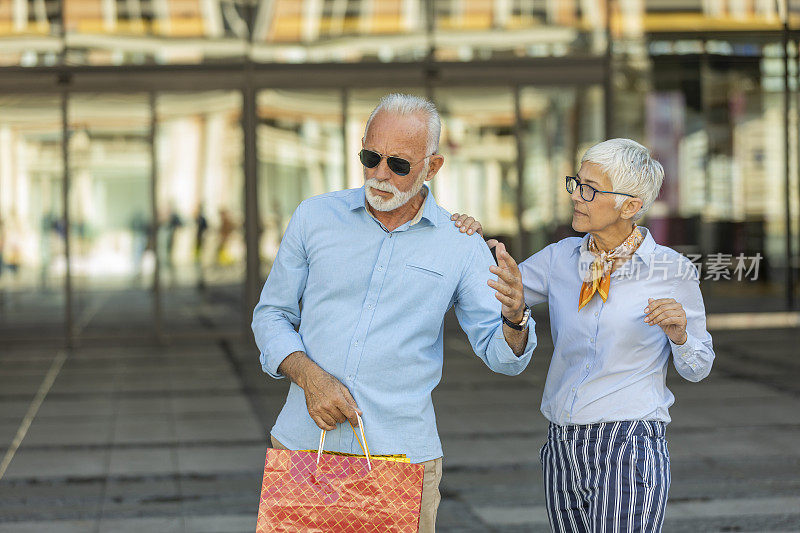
x=467 y=224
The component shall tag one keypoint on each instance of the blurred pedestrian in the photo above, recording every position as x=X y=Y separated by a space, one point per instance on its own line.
x=201 y=226
x=226 y=227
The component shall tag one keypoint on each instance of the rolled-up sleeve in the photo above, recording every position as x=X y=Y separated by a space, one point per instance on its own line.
x=277 y=314
x=692 y=359
x=478 y=313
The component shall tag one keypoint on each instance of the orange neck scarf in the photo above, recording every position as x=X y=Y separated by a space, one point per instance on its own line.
x=598 y=277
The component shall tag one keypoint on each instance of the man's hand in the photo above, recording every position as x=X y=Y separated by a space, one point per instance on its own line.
x=467 y=224
x=508 y=284
x=328 y=401
x=669 y=316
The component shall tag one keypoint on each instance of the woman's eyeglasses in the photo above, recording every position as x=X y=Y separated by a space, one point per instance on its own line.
x=587 y=192
x=398 y=165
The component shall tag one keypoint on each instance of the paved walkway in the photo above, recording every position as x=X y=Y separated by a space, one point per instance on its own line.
x=142 y=438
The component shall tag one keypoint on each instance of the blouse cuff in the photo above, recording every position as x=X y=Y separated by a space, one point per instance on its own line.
x=687 y=351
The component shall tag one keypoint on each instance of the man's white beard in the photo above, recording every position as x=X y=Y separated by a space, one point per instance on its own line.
x=398 y=198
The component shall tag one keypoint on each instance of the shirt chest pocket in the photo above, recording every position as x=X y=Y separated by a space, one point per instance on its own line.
x=425 y=280
x=413 y=271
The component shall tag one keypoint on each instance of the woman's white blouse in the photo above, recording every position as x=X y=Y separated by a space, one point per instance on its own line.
x=608 y=364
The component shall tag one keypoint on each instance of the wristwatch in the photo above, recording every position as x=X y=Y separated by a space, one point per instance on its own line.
x=523 y=323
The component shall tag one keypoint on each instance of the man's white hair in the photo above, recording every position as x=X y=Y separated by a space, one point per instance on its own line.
x=630 y=168
x=407 y=104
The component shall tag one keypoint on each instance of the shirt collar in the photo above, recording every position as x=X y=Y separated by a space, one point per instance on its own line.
x=429 y=209
x=644 y=251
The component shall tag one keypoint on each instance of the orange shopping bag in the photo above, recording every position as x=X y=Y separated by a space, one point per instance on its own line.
x=314 y=492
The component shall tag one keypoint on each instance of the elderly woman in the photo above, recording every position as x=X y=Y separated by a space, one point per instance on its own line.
x=620 y=306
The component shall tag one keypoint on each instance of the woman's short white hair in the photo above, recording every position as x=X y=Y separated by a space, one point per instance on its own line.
x=630 y=168
x=407 y=104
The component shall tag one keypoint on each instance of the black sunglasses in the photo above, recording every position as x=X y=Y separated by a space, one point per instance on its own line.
x=398 y=165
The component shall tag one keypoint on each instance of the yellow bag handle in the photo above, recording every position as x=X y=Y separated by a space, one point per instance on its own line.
x=364 y=446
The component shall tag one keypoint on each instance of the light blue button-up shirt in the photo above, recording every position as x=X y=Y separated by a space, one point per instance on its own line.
x=373 y=305
x=608 y=364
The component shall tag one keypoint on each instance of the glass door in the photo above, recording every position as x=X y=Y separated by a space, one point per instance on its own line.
x=199 y=200
x=111 y=253
x=32 y=244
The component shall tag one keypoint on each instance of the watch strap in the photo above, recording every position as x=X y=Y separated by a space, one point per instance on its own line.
x=522 y=325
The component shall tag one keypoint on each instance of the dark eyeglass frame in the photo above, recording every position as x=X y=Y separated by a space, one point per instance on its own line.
x=398 y=165
x=575 y=182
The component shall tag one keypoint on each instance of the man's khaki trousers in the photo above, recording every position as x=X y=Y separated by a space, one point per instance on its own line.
x=430 y=491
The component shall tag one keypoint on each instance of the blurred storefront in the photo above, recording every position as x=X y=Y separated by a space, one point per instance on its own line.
x=152 y=151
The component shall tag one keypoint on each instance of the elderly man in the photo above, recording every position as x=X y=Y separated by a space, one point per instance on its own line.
x=376 y=269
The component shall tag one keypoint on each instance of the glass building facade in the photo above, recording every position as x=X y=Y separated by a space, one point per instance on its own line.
x=152 y=151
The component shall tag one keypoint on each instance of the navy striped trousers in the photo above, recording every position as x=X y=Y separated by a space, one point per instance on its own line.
x=611 y=477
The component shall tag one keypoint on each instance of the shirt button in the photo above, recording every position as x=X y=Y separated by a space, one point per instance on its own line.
x=356 y=343
x=591 y=340
x=597 y=314
x=380 y=267
x=588 y=366
x=369 y=306
x=573 y=389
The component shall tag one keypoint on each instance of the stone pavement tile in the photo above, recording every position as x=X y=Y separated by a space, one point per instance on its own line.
x=698 y=479
x=492 y=419
x=241 y=503
x=8 y=430
x=55 y=526
x=735 y=507
x=776 y=410
x=82 y=386
x=221 y=459
x=199 y=367
x=143 y=489
x=20 y=385
x=72 y=373
x=502 y=516
x=756 y=524
x=36 y=464
x=151 y=428
x=719 y=387
x=142 y=384
x=142 y=406
x=486 y=452
x=737 y=442
x=60 y=431
x=139 y=525
x=229 y=523
x=204 y=487
x=267 y=408
x=141 y=462
x=528 y=398
x=736 y=514
x=13 y=410
x=454 y=516
x=228 y=403
x=501 y=487
x=218 y=428
x=39 y=495
x=65 y=508
x=24 y=369
x=78 y=407
x=221 y=383
x=153 y=506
